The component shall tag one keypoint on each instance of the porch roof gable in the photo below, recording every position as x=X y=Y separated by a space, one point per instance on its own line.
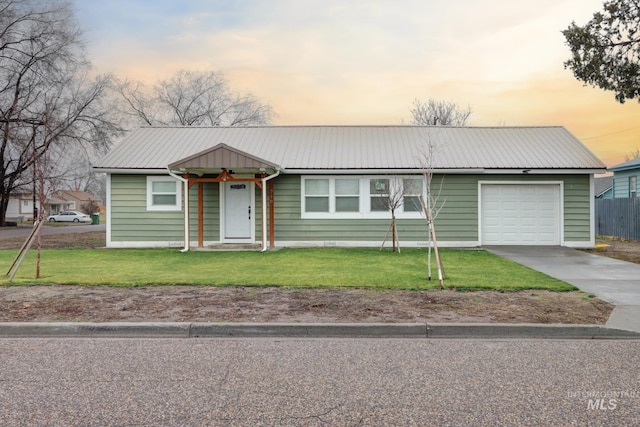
x=222 y=156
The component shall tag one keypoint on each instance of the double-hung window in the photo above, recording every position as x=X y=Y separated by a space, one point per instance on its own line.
x=163 y=194
x=379 y=190
x=347 y=194
x=633 y=186
x=316 y=195
x=411 y=190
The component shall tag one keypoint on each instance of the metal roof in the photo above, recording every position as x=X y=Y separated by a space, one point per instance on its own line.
x=360 y=147
x=629 y=164
x=602 y=185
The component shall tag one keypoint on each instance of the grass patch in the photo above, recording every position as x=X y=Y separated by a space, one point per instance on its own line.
x=308 y=268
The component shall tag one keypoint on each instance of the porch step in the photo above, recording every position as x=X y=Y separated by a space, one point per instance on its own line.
x=232 y=247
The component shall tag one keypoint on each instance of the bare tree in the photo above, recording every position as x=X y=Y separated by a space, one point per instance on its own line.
x=193 y=98
x=431 y=203
x=74 y=171
x=391 y=197
x=394 y=194
x=43 y=188
x=46 y=97
x=438 y=113
x=634 y=154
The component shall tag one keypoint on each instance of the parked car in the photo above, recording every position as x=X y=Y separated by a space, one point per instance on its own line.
x=69 y=216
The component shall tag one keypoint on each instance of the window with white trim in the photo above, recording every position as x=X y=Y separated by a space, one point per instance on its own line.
x=412 y=190
x=347 y=194
x=633 y=186
x=316 y=195
x=379 y=189
x=163 y=194
x=359 y=196
x=331 y=195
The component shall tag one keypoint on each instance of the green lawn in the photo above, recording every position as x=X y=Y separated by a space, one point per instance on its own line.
x=318 y=267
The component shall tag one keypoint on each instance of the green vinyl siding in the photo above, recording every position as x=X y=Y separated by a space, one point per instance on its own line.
x=257 y=212
x=457 y=221
x=130 y=219
x=577 y=208
x=211 y=212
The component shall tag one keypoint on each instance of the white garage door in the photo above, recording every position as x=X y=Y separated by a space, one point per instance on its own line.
x=515 y=214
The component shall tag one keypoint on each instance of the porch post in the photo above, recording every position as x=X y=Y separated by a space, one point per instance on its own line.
x=265 y=179
x=187 y=243
x=200 y=215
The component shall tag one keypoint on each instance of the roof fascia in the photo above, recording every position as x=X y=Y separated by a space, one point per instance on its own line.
x=130 y=171
x=460 y=171
x=375 y=171
x=526 y=171
x=623 y=168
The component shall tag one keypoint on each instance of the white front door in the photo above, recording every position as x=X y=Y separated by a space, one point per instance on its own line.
x=238 y=211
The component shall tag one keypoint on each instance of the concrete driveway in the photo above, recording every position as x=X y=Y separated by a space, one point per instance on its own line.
x=612 y=280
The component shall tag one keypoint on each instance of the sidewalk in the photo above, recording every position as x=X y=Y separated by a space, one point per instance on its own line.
x=612 y=280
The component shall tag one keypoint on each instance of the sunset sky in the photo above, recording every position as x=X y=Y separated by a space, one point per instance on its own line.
x=365 y=61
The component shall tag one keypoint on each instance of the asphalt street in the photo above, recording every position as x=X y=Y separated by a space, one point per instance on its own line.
x=23 y=231
x=313 y=382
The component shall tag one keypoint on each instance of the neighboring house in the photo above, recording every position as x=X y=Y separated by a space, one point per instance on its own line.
x=20 y=207
x=69 y=200
x=626 y=179
x=320 y=186
x=604 y=187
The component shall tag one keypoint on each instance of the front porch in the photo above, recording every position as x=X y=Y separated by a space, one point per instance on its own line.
x=237 y=175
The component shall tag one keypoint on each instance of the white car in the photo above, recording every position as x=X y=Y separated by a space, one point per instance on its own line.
x=69 y=216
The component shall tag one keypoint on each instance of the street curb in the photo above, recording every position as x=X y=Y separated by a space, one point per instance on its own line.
x=319 y=330
x=95 y=330
x=527 y=330
x=310 y=330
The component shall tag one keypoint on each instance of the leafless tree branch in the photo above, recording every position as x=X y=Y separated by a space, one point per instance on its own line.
x=438 y=113
x=193 y=98
x=46 y=99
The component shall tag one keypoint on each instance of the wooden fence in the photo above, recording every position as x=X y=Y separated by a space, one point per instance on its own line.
x=618 y=218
